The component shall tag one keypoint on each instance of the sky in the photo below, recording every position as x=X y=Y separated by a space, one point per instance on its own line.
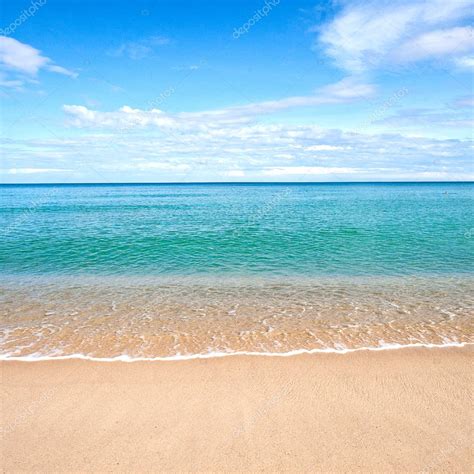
x=236 y=90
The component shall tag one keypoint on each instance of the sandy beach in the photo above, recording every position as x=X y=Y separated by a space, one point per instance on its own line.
x=393 y=410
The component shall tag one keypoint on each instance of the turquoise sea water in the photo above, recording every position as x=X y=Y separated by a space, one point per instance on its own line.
x=311 y=229
x=146 y=271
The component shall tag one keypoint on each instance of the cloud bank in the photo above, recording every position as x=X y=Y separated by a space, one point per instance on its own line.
x=253 y=152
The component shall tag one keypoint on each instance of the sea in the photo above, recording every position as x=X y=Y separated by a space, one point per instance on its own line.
x=173 y=271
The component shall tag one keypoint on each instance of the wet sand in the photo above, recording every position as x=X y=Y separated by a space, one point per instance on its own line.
x=385 y=411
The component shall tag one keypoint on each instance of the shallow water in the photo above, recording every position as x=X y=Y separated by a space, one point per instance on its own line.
x=162 y=270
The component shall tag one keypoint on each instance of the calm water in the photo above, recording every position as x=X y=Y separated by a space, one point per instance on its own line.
x=166 y=270
x=388 y=229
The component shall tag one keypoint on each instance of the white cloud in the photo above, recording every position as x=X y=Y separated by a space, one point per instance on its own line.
x=234 y=173
x=127 y=118
x=22 y=59
x=369 y=34
x=465 y=62
x=347 y=90
x=307 y=170
x=33 y=170
x=62 y=70
x=326 y=148
x=250 y=152
x=436 y=43
x=144 y=165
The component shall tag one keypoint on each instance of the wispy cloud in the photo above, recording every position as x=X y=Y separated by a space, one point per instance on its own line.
x=371 y=34
x=429 y=117
x=139 y=49
x=345 y=91
x=18 y=60
x=438 y=43
x=190 y=67
x=13 y=83
x=465 y=101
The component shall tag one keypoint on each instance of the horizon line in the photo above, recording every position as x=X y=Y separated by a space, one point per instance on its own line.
x=175 y=183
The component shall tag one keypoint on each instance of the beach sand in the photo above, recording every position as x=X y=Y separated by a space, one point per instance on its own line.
x=393 y=410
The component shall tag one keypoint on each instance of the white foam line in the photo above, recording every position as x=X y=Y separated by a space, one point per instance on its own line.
x=211 y=355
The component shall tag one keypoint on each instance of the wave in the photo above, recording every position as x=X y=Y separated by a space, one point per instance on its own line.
x=211 y=355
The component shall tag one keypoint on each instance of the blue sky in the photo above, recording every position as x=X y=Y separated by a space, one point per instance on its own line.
x=275 y=90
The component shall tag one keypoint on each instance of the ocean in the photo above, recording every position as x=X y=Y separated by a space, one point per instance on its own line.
x=150 y=271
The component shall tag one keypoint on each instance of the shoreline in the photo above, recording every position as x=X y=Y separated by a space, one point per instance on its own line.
x=218 y=355
x=386 y=410
x=187 y=321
